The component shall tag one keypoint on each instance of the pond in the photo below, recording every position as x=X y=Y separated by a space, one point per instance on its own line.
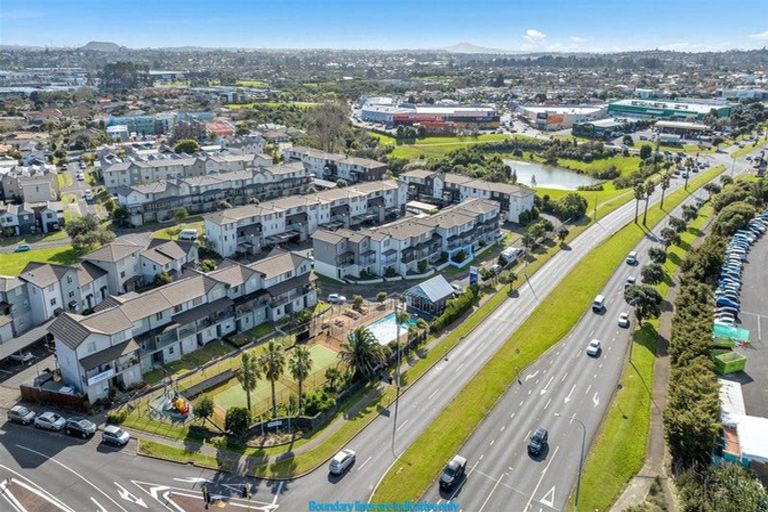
x=535 y=174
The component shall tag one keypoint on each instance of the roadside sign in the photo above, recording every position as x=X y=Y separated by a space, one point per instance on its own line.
x=473 y=275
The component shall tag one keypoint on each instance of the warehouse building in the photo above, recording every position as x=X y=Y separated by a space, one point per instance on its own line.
x=668 y=109
x=558 y=117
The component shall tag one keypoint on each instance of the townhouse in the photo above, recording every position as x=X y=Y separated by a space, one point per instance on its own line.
x=254 y=228
x=15 y=308
x=130 y=335
x=164 y=256
x=160 y=166
x=158 y=201
x=336 y=166
x=450 y=188
x=32 y=183
x=407 y=246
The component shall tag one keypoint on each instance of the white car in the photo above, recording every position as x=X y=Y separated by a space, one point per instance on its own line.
x=341 y=461
x=630 y=282
x=335 y=298
x=593 y=349
x=115 y=435
x=50 y=421
x=624 y=320
x=88 y=195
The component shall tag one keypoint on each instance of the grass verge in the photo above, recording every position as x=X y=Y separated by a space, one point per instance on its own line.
x=11 y=264
x=549 y=322
x=618 y=452
x=168 y=452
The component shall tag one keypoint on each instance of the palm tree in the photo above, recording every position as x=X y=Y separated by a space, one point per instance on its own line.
x=272 y=365
x=248 y=375
x=664 y=186
x=362 y=353
x=650 y=186
x=689 y=164
x=639 y=195
x=300 y=364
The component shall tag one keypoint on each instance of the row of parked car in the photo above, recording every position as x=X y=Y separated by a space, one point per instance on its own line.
x=75 y=426
x=727 y=304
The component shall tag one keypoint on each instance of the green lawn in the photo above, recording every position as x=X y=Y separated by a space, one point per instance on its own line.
x=435 y=146
x=64 y=179
x=162 y=233
x=261 y=84
x=741 y=152
x=300 y=104
x=168 y=452
x=549 y=323
x=11 y=264
x=253 y=333
x=623 y=164
x=28 y=239
x=618 y=452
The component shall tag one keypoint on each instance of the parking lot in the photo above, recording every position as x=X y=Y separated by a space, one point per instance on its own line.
x=754 y=316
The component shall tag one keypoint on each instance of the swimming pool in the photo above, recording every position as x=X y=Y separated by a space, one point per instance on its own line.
x=385 y=328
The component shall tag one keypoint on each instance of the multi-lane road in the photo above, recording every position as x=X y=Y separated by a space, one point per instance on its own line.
x=35 y=456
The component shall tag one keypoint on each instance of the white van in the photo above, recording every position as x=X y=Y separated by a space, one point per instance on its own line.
x=632 y=258
x=188 y=234
x=598 y=304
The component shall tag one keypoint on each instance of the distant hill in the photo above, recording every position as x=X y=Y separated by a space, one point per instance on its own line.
x=102 y=46
x=464 y=47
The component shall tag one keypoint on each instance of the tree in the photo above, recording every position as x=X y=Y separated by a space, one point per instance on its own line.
x=645 y=152
x=670 y=236
x=689 y=165
x=645 y=299
x=237 y=421
x=677 y=224
x=362 y=353
x=248 y=375
x=689 y=212
x=207 y=265
x=357 y=302
x=712 y=189
x=665 y=182
x=272 y=365
x=639 y=195
x=332 y=379
x=381 y=296
x=720 y=488
x=87 y=232
x=326 y=124
x=188 y=146
x=300 y=364
x=204 y=408
x=649 y=188
x=161 y=279
x=733 y=217
x=657 y=255
x=627 y=140
x=562 y=233
x=120 y=216
x=652 y=274
x=181 y=215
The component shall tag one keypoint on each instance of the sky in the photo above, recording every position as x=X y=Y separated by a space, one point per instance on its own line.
x=519 y=25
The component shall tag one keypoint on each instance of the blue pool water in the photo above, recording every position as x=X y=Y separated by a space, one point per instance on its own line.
x=385 y=329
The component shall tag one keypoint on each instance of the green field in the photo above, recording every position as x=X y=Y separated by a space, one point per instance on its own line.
x=623 y=164
x=163 y=232
x=548 y=324
x=413 y=149
x=300 y=104
x=260 y=84
x=11 y=264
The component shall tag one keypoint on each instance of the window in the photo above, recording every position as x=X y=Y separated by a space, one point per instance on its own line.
x=122 y=274
x=197 y=301
x=91 y=347
x=69 y=279
x=159 y=315
x=50 y=288
x=177 y=309
x=171 y=349
x=53 y=301
x=71 y=294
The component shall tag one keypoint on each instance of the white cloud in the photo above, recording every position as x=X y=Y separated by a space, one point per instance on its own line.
x=578 y=40
x=761 y=36
x=534 y=36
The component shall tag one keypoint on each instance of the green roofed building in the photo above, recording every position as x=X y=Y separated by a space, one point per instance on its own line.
x=668 y=109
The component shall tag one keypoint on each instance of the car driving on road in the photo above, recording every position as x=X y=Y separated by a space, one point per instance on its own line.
x=335 y=298
x=538 y=441
x=453 y=472
x=593 y=349
x=624 y=320
x=341 y=461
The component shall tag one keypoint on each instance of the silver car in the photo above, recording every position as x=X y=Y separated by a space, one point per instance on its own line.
x=21 y=414
x=50 y=421
x=341 y=461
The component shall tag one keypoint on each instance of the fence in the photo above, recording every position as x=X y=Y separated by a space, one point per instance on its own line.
x=47 y=396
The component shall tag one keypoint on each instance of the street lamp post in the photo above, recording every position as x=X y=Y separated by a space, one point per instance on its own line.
x=397 y=323
x=581 y=459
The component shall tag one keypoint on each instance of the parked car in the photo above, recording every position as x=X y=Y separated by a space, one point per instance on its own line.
x=335 y=298
x=115 y=435
x=624 y=320
x=341 y=461
x=21 y=414
x=593 y=348
x=458 y=290
x=495 y=268
x=88 y=195
x=23 y=248
x=79 y=427
x=22 y=357
x=538 y=442
x=50 y=421
x=453 y=472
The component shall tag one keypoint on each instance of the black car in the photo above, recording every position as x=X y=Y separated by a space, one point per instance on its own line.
x=538 y=442
x=79 y=427
x=453 y=472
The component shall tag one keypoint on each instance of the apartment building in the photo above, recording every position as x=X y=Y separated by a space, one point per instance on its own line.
x=158 y=201
x=167 y=256
x=130 y=335
x=15 y=308
x=450 y=188
x=254 y=228
x=336 y=166
x=401 y=247
x=32 y=183
x=161 y=166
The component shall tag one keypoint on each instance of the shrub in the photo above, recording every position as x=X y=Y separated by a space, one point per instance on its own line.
x=117 y=417
x=381 y=296
x=454 y=308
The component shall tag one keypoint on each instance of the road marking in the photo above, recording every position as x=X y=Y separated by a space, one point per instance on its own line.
x=193 y=480
x=549 y=498
x=600 y=365
x=521 y=403
x=591 y=332
x=595 y=399
x=128 y=496
x=101 y=507
x=361 y=465
x=564 y=376
x=403 y=424
x=491 y=493
x=546 y=388
x=588 y=388
x=543 y=472
x=568 y=398
x=529 y=392
x=547 y=404
x=280 y=489
x=531 y=376
x=432 y=395
x=594 y=376
x=502 y=428
x=73 y=472
x=460 y=365
x=481 y=457
x=512 y=415
x=33 y=487
x=491 y=443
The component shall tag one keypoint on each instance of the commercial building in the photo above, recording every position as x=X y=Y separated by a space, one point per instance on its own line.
x=602 y=129
x=430 y=296
x=448 y=118
x=744 y=94
x=407 y=246
x=450 y=188
x=558 y=117
x=130 y=335
x=336 y=166
x=254 y=228
x=683 y=128
x=677 y=110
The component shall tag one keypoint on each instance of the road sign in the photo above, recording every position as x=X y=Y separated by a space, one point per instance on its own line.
x=473 y=275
